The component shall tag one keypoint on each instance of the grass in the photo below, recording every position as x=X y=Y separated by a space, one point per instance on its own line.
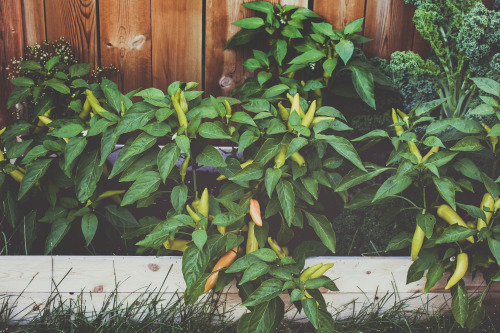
x=147 y=311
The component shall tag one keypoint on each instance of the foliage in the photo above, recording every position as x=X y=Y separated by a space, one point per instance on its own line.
x=305 y=54
x=446 y=175
x=464 y=38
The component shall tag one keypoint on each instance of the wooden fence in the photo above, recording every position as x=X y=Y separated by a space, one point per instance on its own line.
x=155 y=42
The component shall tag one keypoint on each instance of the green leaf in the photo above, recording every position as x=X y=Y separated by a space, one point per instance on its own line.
x=439 y=126
x=345 y=49
x=433 y=141
x=200 y=238
x=60 y=228
x=280 y=51
x=79 y=70
x=145 y=184
x=243 y=118
x=226 y=219
x=467 y=168
x=250 y=172
x=364 y=85
x=323 y=28
x=423 y=108
x=275 y=90
x=494 y=245
x=57 y=85
x=467 y=126
x=167 y=157
x=393 y=185
x=308 y=57
x=35 y=152
x=344 y=148
x=270 y=148
x=426 y=222
x=260 y=6
x=255 y=270
x=323 y=229
x=476 y=312
x=88 y=173
x=211 y=157
x=194 y=264
x=446 y=189
x=250 y=23
x=455 y=233
x=184 y=144
x=140 y=144
x=242 y=37
x=89 y=227
x=22 y=82
x=435 y=274
x=267 y=290
x=356 y=177
x=120 y=217
x=354 y=26
x=474 y=211
x=460 y=303
x=137 y=116
x=311 y=310
x=264 y=318
x=265 y=254
x=72 y=150
x=377 y=133
x=178 y=197
x=242 y=263
x=286 y=197
x=490 y=185
x=17 y=96
x=400 y=241
x=30 y=64
x=34 y=172
x=487 y=85
x=213 y=130
x=271 y=180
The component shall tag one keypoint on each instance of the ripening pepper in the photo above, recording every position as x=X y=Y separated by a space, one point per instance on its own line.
x=451 y=217
x=493 y=139
x=255 y=212
x=309 y=116
x=460 y=269
x=252 y=244
x=184 y=167
x=279 y=158
x=225 y=261
x=489 y=202
x=203 y=208
x=176 y=244
x=298 y=158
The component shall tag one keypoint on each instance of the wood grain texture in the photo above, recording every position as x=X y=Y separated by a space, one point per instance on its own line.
x=177 y=53
x=11 y=45
x=389 y=23
x=223 y=68
x=340 y=12
x=361 y=280
x=75 y=20
x=34 y=21
x=125 y=40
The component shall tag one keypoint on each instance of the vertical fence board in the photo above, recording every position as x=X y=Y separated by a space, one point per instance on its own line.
x=125 y=40
x=340 y=12
x=177 y=29
x=389 y=23
x=33 y=21
x=223 y=68
x=11 y=45
x=75 y=20
x=420 y=45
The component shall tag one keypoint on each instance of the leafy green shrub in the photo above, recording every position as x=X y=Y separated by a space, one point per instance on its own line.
x=305 y=54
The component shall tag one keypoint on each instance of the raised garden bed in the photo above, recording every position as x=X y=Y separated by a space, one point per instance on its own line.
x=28 y=281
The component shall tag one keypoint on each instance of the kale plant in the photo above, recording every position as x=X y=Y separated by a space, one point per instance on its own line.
x=465 y=42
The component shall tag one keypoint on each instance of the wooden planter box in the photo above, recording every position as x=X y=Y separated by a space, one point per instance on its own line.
x=28 y=281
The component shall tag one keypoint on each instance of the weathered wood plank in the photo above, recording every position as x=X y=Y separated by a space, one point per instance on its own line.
x=177 y=41
x=223 y=68
x=125 y=40
x=33 y=21
x=340 y=12
x=389 y=23
x=362 y=281
x=11 y=45
x=75 y=20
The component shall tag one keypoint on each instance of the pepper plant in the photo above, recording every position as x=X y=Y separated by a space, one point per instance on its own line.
x=441 y=185
x=306 y=54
